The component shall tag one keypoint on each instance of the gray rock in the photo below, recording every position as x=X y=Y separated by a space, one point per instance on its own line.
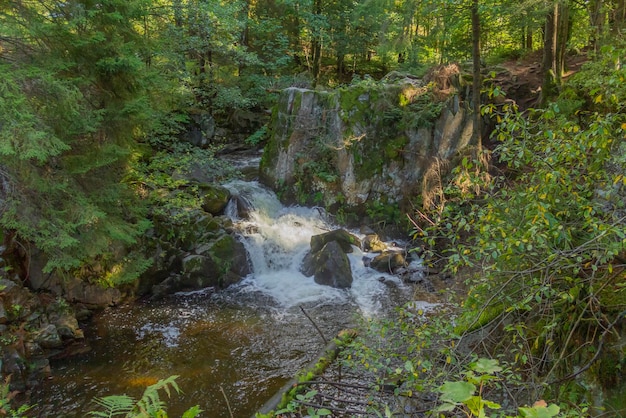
x=330 y=266
x=48 y=337
x=78 y=291
x=199 y=271
x=371 y=156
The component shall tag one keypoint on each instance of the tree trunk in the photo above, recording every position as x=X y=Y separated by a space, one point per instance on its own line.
x=316 y=44
x=596 y=21
x=564 y=24
x=476 y=81
x=341 y=64
x=549 y=86
x=618 y=16
x=245 y=33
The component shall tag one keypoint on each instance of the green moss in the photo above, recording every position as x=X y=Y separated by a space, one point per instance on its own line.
x=469 y=321
x=393 y=148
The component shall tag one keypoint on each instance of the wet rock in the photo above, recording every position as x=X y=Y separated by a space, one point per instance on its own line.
x=372 y=243
x=67 y=327
x=32 y=349
x=345 y=240
x=330 y=266
x=243 y=207
x=199 y=271
x=61 y=315
x=14 y=365
x=39 y=370
x=194 y=252
x=388 y=261
x=78 y=291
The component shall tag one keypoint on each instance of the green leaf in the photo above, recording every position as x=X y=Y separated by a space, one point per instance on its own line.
x=539 y=411
x=484 y=365
x=456 y=391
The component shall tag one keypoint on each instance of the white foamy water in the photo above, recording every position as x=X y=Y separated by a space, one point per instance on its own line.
x=277 y=239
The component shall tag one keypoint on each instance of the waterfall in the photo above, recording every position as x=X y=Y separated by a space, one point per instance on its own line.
x=278 y=237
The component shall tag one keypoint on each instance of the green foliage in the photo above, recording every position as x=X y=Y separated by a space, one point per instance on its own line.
x=6 y=398
x=257 y=137
x=383 y=212
x=163 y=179
x=547 y=236
x=467 y=394
x=305 y=398
x=71 y=108
x=149 y=406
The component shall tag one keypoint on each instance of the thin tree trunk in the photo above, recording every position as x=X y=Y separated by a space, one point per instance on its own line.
x=529 y=39
x=549 y=85
x=562 y=38
x=596 y=20
x=245 y=33
x=476 y=81
x=316 y=44
x=618 y=16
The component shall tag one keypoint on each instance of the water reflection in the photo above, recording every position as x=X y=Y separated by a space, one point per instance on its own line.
x=207 y=340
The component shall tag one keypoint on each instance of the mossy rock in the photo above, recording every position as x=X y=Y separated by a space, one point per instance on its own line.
x=214 y=198
x=345 y=240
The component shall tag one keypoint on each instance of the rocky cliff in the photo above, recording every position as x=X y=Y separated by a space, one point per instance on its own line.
x=366 y=145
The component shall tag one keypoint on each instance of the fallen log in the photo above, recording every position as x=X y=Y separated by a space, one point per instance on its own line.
x=312 y=371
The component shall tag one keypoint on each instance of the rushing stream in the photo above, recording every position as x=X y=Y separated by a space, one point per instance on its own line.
x=232 y=348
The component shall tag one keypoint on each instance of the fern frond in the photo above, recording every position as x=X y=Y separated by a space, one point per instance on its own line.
x=150 y=404
x=192 y=412
x=114 y=405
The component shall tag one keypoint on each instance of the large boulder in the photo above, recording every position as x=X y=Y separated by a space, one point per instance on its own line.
x=78 y=291
x=330 y=266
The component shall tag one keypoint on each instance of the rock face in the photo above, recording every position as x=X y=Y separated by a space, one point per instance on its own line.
x=327 y=261
x=370 y=142
x=194 y=252
x=34 y=327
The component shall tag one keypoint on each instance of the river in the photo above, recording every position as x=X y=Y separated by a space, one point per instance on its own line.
x=231 y=349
